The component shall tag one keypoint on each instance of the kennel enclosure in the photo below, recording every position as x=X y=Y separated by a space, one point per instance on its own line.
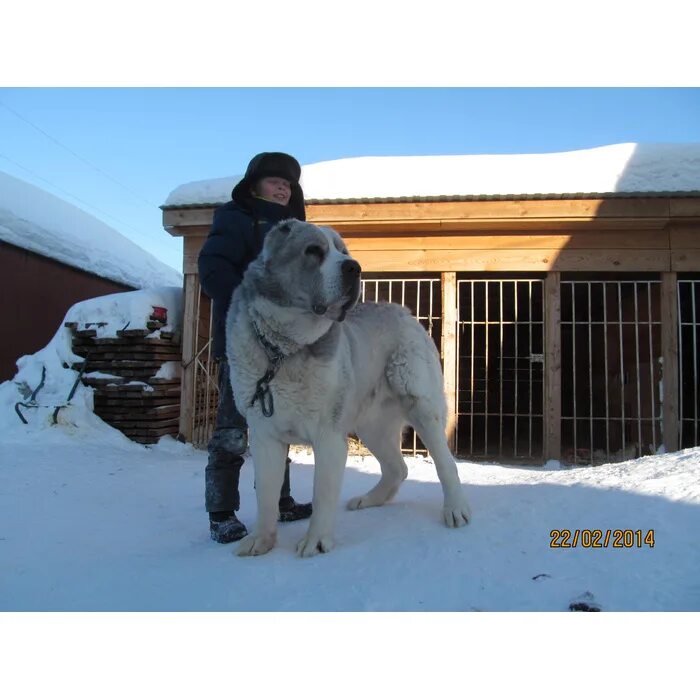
x=567 y=325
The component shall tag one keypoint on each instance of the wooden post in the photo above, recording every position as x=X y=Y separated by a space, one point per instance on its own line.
x=552 y=366
x=189 y=337
x=669 y=350
x=448 y=351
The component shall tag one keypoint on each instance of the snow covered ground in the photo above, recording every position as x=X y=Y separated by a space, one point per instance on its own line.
x=90 y=522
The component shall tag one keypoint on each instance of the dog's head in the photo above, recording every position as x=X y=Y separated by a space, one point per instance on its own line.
x=308 y=267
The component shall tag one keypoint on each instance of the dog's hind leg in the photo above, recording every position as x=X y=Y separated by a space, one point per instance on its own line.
x=415 y=377
x=431 y=430
x=383 y=439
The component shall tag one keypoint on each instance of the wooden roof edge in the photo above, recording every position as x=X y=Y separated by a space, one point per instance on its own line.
x=671 y=194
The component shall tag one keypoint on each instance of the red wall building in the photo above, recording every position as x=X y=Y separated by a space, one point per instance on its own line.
x=35 y=294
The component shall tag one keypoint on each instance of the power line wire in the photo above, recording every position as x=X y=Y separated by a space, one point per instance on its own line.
x=79 y=157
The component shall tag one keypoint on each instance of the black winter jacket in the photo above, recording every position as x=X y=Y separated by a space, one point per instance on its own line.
x=234 y=241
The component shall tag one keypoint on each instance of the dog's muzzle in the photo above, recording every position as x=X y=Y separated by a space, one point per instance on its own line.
x=350 y=274
x=350 y=283
x=350 y=271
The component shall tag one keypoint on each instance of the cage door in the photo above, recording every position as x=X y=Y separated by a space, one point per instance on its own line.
x=500 y=368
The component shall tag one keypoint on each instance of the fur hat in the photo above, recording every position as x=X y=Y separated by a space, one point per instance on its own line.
x=272 y=165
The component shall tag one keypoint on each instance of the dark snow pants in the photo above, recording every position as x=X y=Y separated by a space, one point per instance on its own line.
x=226 y=449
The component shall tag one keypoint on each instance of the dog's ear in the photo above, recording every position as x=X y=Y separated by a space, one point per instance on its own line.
x=285 y=226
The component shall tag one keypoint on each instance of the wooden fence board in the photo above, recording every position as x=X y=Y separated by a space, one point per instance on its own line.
x=449 y=351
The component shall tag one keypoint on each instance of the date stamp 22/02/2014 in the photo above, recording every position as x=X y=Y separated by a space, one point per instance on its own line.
x=600 y=539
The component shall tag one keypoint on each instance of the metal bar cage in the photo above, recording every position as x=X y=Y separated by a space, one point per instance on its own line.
x=688 y=359
x=421 y=294
x=205 y=390
x=611 y=366
x=500 y=368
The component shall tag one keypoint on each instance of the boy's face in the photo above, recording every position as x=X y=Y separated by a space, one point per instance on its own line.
x=274 y=189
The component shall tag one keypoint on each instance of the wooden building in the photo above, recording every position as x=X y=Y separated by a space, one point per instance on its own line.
x=35 y=293
x=567 y=324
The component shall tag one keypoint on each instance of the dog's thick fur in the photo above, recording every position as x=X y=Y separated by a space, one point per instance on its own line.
x=368 y=369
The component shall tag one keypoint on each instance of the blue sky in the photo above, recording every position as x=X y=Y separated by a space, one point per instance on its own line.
x=140 y=144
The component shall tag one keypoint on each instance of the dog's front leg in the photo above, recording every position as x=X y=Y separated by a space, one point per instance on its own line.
x=330 y=455
x=269 y=457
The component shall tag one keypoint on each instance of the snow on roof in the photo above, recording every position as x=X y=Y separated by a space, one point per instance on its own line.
x=620 y=168
x=36 y=220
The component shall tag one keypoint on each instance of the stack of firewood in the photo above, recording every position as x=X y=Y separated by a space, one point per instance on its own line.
x=129 y=396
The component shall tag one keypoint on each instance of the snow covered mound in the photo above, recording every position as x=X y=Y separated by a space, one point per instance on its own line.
x=35 y=220
x=113 y=312
x=626 y=167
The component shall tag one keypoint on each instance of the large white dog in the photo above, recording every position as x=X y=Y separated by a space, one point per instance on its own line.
x=309 y=366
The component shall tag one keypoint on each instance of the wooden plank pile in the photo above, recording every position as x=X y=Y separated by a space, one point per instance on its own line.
x=129 y=397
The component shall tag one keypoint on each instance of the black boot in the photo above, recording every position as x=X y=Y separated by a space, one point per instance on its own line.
x=290 y=510
x=225 y=527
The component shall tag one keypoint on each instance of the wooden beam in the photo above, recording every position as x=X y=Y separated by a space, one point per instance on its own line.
x=554 y=224
x=379 y=228
x=639 y=213
x=188 y=217
x=185 y=231
x=621 y=260
x=669 y=348
x=190 y=254
x=189 y=339
x=448 y=349
x=637 y=208
x=685 y=207
x=685 y=260
x=684 y=237
x=582 y=240
x=552 y=367
x=541 y=260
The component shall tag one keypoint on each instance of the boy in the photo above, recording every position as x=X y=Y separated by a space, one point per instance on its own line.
x=268 y=193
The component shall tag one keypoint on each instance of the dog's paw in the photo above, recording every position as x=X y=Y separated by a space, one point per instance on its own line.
x=311 y=545
x=369 y=500
x=253 y=545
x=357 y=503
x=456 y=514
